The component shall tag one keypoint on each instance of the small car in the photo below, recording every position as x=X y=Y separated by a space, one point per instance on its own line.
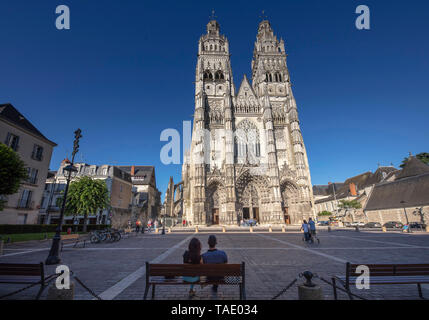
x=357 y=224
x=393 y=224
x=372 y=225
x=417 y=225
x=323 y=223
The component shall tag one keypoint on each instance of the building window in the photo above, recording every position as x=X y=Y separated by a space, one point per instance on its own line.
x=12 y=141
x=32 y=175
x=219 y=75
x=37 y=153
x=25 y=200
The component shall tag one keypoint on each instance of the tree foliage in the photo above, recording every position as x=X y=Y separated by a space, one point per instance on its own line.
x=423 y=157
x=349 y=204
x=12 y=172
x=86 y=196
x=325 y=213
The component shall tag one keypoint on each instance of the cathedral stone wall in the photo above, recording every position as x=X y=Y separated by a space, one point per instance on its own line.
x=247 y=157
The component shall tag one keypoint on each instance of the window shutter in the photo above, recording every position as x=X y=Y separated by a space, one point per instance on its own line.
x=7 y=139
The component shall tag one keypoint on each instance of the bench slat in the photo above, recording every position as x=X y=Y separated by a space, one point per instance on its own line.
x=20 y=269
x=203 y=280
x=21 y=279
x=195 y=270
x=391 y=280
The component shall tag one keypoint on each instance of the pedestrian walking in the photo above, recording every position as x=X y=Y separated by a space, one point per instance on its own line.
x=304 y=227
x=138 y=225
x=312 y=227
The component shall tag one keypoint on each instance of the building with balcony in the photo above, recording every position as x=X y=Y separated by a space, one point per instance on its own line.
x=35 y=150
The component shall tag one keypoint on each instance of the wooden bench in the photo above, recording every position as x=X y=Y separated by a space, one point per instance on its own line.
x=171 y=274
x=73 y=238
x=386 y=274
x=23 y=273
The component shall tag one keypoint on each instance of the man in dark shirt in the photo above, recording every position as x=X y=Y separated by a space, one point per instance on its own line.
x=214 y=255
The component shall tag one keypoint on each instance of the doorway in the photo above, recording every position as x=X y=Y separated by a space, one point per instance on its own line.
x=256 y=214
x=215 y=216
x=246 y=214
x=286 y=215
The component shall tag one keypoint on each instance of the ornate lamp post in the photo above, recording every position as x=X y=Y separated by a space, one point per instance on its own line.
x=69 y=170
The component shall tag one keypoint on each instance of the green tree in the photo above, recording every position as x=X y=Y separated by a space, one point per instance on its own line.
x=86 y=196
x=325 y=213
x=423 y=157
x=349 y=207
x=12 y=172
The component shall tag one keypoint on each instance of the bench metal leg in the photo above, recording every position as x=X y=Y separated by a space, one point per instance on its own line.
x=153 y=292
x=419 y=287
x=334 y=287
x=42 y=287
x=348 y=291
x=146 y=291
x=241 y=291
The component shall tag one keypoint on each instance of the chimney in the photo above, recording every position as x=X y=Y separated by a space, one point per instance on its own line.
x=352 y=188
x=132 y=170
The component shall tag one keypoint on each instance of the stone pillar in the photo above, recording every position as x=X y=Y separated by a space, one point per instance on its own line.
x=60 y=294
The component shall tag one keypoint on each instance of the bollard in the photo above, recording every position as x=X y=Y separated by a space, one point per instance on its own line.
x=169 y=230
x=251 y=229
x=270 y=229
x=156 y=230
x=329 y=229
x=427 y=228
x=283 y=229
x=196 y=229
x=384 y=229
x=357 y=228
x=223 y=229
x=309 y=290
x=1 y=247
x=60 y=294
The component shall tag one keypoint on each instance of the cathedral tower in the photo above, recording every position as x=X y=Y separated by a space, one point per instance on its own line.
x=247 y=157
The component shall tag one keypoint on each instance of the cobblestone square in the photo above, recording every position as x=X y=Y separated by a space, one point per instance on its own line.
x=273 y=260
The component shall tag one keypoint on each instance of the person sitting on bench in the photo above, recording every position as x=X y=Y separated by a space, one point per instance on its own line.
x=214 y=255
x=192 y=256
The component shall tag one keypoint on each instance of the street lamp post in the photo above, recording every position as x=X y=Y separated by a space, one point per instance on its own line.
x=54 y=256
x=406 y=216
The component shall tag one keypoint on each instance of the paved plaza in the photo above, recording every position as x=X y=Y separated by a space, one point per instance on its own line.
x=273 y=260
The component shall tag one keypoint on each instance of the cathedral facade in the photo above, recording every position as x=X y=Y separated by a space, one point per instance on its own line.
x=247 y=158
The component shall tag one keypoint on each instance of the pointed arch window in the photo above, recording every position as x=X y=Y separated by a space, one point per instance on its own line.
x=247 y=142
x=207 y=75
x=219 y=75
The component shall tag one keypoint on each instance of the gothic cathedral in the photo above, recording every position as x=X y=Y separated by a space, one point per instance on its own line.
x=247 y=158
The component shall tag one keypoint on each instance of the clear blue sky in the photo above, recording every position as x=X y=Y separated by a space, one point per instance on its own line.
x=125 y=71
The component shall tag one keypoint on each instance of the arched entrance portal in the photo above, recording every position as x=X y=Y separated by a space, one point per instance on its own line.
x=250 y=203
x=289 y=192
x=214 y=196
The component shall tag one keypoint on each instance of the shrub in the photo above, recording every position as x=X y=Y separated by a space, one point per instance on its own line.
x=324 y=213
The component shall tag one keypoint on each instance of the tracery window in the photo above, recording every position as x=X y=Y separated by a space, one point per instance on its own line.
x=247 y=142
